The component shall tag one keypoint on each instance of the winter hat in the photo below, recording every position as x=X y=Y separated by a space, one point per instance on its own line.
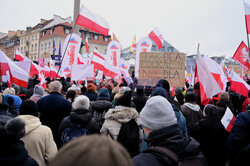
x=103 y=94
x=94 y=150
x=190 y=96
x=125 y=99
x=91 y=88
x=157 y=113
x=10 y=91
x=38 y=91
x=29 y=107
x=15 y=128
x=81 y=102
x=178 y=90
x=159 y=91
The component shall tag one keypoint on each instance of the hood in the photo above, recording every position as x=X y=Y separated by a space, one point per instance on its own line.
x=122 y=114
x=192 y=106
x=80 y=116
x=172 y=138
x=101 y=105
x=31 y=122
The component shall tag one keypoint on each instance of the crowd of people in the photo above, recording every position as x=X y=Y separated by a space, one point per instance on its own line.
x=116 y=124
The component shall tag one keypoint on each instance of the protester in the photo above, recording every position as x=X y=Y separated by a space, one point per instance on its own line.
x=91 y=92
x=92 y=150
x=101 y=106
x=38 y=93
x=53 y=108
x=120 y=93
x=139 y=99
x=212 y=136
x=179 y=95
x=191 y=111
x=71 y=94
x=161 y=128
x=38 y=139
x=12 y=151
x=80 y=118
x=4 y=114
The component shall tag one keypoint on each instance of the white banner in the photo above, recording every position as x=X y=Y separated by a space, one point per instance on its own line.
x=144 y=45
x=113 y=54
x=71 y=52
x=81 y=72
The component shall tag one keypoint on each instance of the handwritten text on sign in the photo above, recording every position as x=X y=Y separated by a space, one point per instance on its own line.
x=155 y=66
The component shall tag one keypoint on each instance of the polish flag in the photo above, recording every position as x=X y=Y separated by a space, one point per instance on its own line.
x=35 y=69
x=247 y=16
x=98 y=60
x=228 y=120
x=87 y=45
x=157 y=37
x=216 y=72
x=92 y=21
x=208 y=85
x=239 y=85
x=16 y=74
x=241 y=56
x=19 y=56
x=43 y=82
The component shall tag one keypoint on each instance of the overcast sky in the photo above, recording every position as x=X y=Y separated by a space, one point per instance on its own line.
x=218 y=25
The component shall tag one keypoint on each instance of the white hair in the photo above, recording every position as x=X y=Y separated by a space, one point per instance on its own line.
x=55 y=86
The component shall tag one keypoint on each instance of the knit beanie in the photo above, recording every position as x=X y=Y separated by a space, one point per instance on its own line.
x=91 y=87
x=125 y=99
x=81 y=102
x=159 y=91
x=94 y=150
x=38 y=91
x=157 y=113
x=103 y=94
x=15 y=128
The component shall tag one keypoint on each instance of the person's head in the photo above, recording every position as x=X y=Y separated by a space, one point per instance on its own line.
x=83 y=90
x=164 y=84
x=38 y=91
x=224 y=97
x=55 y=86
x=17 y=88
x=103 y=94
x=159 y=91
x=81 y=102
x=29 y=107
x=91 y=88
x=190 y=96
x=178 y=91
x=125 y=99
x=10 y=91
x=139 y=90
x=156 y=114
x=71 y=94
x=94 y=150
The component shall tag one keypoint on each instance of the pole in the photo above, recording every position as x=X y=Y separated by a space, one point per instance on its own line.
x=246 y=28
x=65 y=50
x=198 y=52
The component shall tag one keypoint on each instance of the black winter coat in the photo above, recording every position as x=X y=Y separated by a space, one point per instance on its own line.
x=15 y=154
x=171 y=138
x=53 y=109
x=80 y=117
x=140 y=101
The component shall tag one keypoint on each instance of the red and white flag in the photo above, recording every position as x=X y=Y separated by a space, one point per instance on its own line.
x=228 y=120
x=19 y=56
x=241 y=56
x=157 y=37
x=43 y=82
x=87 y=45
x=208 y=85
x=92 y=21
x=98 y=60
x=239 y=85
x=247 y=16
x=16 y=74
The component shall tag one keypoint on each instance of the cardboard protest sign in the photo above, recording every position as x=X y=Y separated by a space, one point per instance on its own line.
x=158 y=65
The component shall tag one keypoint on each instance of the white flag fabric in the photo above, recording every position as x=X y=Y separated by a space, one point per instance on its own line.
x=82 y=72
x=239 y=85
x=228 y=120
x=113 y=54
x=71 y=51
x=25 y=65
x=144 y=45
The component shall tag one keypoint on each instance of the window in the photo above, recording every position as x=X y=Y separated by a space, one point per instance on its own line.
x=41 y=46
x=21 y=49
x=239 y=69
x=89 y=36
x=163 y=49
x=32 y=47
x=96 y=37
x=43 y=33
x=153 y=47
x=32 y=37
x=170 y=49
x=66 y=31
x=49 y=45
x=45 y=46
x=35 y=47
x=106 y=39
x=51 y=31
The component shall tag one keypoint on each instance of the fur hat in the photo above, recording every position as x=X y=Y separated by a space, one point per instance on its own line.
x=94 y=150
x=91 y=87
x=81 y=102
x=103 y=94
x=157 y=113
x=38 y=91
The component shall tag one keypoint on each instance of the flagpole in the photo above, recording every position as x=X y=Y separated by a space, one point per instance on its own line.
x=246 y=27
x=65 y=50
x=198 y=49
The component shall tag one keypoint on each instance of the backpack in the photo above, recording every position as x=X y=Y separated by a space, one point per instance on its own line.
x=129 y=137
x=186 y=161
x=72 y=132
